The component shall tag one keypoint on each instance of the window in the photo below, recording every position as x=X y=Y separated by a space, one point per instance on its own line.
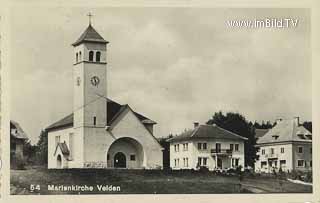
x=94 y=120
x=76 y=57
x=300 y=163
x=236 y=162
x=187 y=164
x=199 y=145
x=263 y=164
x=282 y=150
x=218 y=147
x=90 y=55
x=98 y=56
x=263 y=151
x=272 y=150
x=132 y=157
x=236 y=147
x=204 y=146
x=300 y=149
x=57 y=139
x=231 y=147
x=310 y=150
x=176 y=147
x=185 y=147
x=80 y=56
x=178 y=162
x=310 y=163
x=199 y=161
x=202 y=161
x=282 y=164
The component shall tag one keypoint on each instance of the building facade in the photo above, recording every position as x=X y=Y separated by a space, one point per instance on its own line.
x=288 y=145
x=100 y=133
x=209 y=146
x=18 y=139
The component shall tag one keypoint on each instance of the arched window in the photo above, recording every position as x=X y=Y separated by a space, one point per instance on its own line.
x=76 y=57
x=98 y=56
x=90 y=55
x=80 y=56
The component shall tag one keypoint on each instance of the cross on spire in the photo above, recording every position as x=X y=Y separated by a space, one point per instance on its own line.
x=90 y=16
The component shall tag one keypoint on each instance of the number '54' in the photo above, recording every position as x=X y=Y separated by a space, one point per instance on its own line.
x=34 y=187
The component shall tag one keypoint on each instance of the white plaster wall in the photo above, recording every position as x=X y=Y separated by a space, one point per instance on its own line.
x=95 y=47
x=130 y=126
x=306 y=155
x=95 y=104
x=127 y=148
x=64 y=136
x=287 y=155
x=182 y=154
x=194 y=153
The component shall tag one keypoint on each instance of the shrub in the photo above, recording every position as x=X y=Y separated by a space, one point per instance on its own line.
x=17 y=162
x=203 y=169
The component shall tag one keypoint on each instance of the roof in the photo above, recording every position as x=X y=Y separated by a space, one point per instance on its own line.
x=90 y=35
x=286 y=130
x=20 y=134
x=113 y=110
x=63 y=147
x=207 y=131
x=260 y=132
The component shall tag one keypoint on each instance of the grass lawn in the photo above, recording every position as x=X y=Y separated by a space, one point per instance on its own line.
x=146 y=182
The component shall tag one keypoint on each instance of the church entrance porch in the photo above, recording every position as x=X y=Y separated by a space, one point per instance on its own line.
x=125 y=153
x=119 y=160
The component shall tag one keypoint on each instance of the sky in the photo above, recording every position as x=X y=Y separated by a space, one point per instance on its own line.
x=174 y=65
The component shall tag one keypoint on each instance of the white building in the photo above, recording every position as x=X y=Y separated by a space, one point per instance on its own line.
x=207 y=145
x=288 y=146
x=100 y=132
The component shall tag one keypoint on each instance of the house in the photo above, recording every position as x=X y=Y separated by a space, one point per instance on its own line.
x=100 y=133
x=17 y=140
x=206 y=145
x=288 y=145
x=260 y=132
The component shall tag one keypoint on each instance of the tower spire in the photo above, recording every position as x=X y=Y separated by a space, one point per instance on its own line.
x=90 y=16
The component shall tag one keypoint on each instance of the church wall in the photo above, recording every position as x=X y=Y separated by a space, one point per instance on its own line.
x=94 y=95
x=78 y=92
x=130 y=126
x=127 y=148
x=98 y=141
x=64 y=134
x=95 y=47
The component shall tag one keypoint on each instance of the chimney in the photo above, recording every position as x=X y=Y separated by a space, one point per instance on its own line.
x=296 y=119
x=196 y=124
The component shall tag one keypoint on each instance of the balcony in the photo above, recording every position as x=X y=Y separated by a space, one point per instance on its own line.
x=270 y=156
x=221 y=151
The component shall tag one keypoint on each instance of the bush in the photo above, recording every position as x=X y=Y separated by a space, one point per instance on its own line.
x=17 y=162
x=203 y=169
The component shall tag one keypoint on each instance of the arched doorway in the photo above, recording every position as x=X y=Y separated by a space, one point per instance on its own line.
x=125 y=152
x=120 y=160
x=59 y=161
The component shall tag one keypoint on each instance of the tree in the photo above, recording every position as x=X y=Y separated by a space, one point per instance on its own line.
x=237 y=123
x=308 y=125
x=43 y=147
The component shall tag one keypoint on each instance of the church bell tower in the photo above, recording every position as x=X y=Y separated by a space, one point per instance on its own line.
x=89 y=82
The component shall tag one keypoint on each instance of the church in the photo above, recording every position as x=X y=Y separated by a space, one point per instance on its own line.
x=100 y=133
